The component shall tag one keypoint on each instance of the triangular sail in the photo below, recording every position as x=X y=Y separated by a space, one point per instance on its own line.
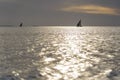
x=21 y=24
x=79 y=24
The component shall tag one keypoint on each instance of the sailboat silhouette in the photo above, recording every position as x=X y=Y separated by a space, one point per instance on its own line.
x=21 y=24
x=79 y=24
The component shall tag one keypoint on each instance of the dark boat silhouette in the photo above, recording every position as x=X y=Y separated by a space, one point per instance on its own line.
x=79 y=24
x=21 y=24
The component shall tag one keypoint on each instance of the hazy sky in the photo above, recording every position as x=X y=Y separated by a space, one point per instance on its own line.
x=60 y=12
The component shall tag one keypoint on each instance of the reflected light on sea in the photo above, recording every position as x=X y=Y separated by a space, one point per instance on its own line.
x=72 y=60
x=60 y=53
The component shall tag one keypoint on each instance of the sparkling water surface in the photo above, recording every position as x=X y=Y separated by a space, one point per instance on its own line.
x=60 y=53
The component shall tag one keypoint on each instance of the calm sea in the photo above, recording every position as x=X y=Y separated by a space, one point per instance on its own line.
x=60 y=53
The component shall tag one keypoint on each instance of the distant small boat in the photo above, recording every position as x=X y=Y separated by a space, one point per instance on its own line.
x=79 y=24
x=21 y=24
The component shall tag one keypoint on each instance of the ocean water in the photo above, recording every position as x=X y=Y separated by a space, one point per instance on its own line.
x=60 y=53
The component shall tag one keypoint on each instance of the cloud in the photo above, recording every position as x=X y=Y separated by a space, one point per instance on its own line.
x=92 y=9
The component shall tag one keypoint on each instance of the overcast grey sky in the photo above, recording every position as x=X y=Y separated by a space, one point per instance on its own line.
x=60 y=12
